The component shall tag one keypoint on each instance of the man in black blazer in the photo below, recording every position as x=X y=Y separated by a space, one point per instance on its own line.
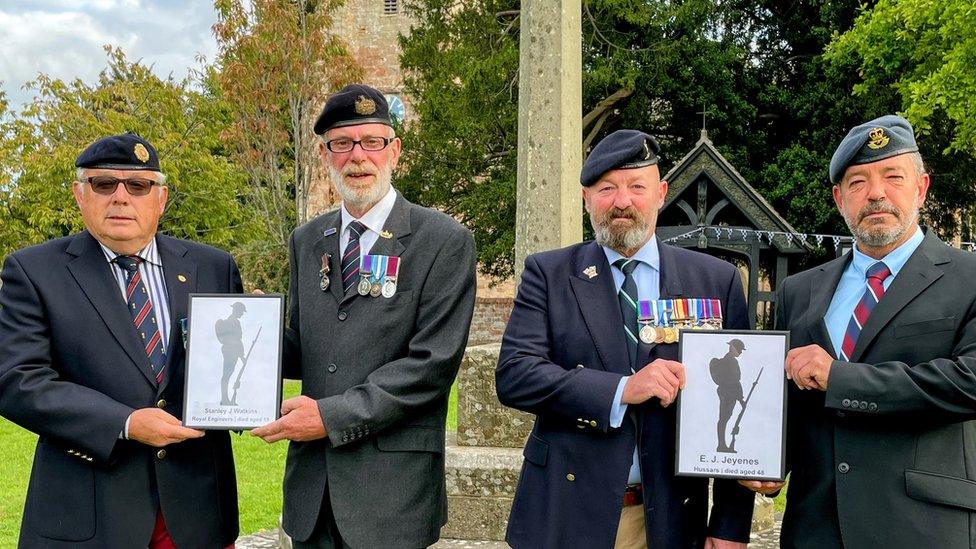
x=380 y=303
x=599 y=463
x=91 y=359
x=881 y=440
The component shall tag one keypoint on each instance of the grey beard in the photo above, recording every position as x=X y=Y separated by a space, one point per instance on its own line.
x=361 y=200
x=876 y=237
x=622 y=241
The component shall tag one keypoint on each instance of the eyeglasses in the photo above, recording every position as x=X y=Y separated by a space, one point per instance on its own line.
x=136 y=186
x=344 y=144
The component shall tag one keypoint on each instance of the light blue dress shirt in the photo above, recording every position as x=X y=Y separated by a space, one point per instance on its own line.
x=647 y=276
x=854 y=281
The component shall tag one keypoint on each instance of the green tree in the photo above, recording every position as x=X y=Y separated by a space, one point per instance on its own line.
x=919 y=55
x=182 y=118
x=277 y=60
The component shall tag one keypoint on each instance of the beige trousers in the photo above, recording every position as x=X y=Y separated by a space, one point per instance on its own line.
x=630 y=532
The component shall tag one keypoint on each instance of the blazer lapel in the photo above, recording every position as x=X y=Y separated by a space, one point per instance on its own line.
x=330 y=245
x=599 y=308
x=94 y=275
x=181 y=280
x=820 y=298
x=919 y=273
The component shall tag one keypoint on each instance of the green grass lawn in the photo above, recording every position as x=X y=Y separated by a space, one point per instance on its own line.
x=260 y=467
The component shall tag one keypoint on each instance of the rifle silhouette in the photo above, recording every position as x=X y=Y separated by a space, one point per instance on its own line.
x=237 y=383
x=738 y=420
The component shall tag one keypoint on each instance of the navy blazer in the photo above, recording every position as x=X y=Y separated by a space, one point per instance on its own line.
x=562 y=357
x=72 y=370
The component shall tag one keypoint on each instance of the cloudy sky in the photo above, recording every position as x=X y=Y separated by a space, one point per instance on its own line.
x=64 y=38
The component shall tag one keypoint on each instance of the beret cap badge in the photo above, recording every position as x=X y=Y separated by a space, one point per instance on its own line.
x=877 y=139
x=141 y=153
x=365 y=105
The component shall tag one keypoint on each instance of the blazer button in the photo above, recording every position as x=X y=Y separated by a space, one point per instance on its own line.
x=846 y=403
x=570 y=477
x=580 y=366
x=593 y=423
x=873 y=407
x=843 y=467
x=864 y=405
x=343 y=315
x=332 y=368
x=855 y=404
x=161 y=403
x=161 y=454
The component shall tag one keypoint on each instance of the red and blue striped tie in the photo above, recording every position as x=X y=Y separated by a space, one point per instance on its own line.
x=873 y=293
x=143 y=316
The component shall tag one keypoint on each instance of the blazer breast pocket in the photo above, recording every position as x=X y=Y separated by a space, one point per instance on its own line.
x=920 y=327
x=61 y=495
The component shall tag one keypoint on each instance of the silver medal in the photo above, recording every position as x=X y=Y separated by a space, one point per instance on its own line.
x=647 y=334
x=389 y=288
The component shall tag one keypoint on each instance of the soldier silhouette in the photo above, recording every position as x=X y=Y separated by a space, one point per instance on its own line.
x=726 y=374
x=231 y=338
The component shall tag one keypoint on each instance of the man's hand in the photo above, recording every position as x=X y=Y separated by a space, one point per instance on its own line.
x=809 y=367
x=764 y=487
x=300 y=420
x=661 y=379
x=155 y=427
x=718 y=543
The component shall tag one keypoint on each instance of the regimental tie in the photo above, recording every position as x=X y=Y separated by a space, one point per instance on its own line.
x=873 y=293
x=350 y=260
x=143 y=316
x=628 y=305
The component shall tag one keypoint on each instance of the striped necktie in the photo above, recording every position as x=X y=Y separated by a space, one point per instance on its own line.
x=350 y=260
x=143 y=316
x=628 y=305
x=873 y=293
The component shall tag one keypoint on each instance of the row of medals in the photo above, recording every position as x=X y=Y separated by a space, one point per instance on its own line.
x=374 y=288
x=669 y=334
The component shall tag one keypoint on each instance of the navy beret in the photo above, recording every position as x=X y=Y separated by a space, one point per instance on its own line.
x=352 y=105
x=621 y=150
x=119 y=152
x=881 y=138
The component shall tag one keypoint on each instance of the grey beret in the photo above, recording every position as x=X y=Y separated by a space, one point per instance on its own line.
x=881 y=138
x=622 y=149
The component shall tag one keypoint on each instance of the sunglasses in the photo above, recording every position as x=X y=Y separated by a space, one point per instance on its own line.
x=136 y=186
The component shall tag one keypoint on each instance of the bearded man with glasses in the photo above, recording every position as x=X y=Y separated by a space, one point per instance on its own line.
x=380 y=302
x=91 y=359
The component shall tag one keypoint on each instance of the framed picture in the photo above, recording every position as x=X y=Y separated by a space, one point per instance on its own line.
x=732 y=411
x=233 y=360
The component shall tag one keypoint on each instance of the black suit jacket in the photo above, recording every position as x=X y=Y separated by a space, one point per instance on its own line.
x=562 y=357
x=886 y=457
x=72 y=370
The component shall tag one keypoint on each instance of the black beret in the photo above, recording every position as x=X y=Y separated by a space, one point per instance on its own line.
x=119 y=152
x=621 y=150
x=352 y=105
x=881 y=138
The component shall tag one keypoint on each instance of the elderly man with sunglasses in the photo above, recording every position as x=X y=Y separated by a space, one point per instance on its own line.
x=91 y=359
x=381 y=298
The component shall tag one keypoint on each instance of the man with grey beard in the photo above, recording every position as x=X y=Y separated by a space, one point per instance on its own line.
x=599 y=464
x=881 y=435
x=380 y=302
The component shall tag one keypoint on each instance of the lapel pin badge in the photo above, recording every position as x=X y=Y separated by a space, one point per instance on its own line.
x=181 y=278
x=590 y=271
x=386 y=234
x=329 y=232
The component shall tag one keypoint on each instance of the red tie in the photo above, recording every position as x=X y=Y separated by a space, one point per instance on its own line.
x=873 y=293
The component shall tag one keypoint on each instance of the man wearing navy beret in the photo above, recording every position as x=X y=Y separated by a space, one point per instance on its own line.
x=381 y=298
x=599 y=463
x=91 y=359
x=881 y=434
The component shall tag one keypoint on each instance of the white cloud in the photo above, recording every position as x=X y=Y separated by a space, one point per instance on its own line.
x=64 y=39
